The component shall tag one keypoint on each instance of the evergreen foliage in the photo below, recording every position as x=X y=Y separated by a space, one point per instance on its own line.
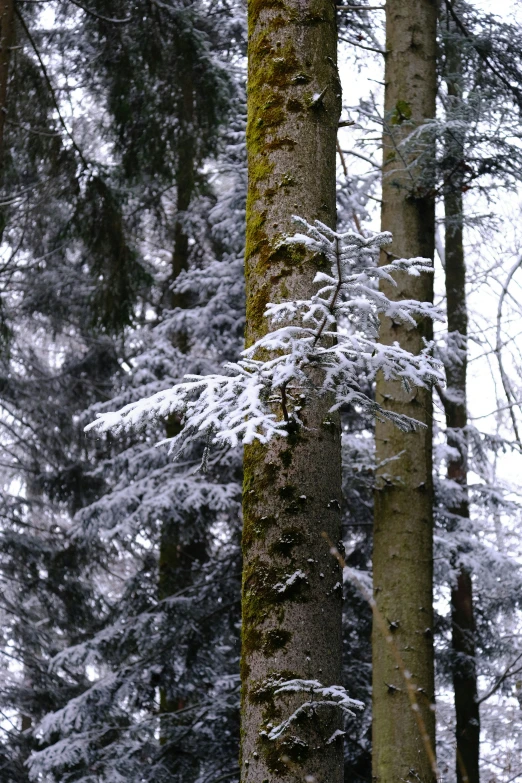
x=122 y=189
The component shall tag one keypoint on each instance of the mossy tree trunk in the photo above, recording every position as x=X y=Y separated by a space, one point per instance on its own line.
x=403 y=525
x=455 y=406
x=292 y=592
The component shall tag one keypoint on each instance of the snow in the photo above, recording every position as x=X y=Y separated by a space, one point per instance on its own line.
x=297 y=576
x=335 y=329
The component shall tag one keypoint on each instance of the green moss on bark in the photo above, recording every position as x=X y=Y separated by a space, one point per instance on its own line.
x=265 y=592
x=274 y=640
x=291 y=153
x=256 y=6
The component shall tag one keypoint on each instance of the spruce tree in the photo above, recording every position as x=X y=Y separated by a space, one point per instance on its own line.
x=153 y=677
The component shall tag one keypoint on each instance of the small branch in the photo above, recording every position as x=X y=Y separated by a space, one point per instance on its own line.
x=443 y=398
x=363 y=157
x=345 y=123
x=357 y=222
x=515 y=404
x=283 y=402
x=335 y=295
x=343 y=162
x=498 y=351
x=35 y=131
x=362 y=7
x=362 y=46
x=99 y=16
x=507 y=673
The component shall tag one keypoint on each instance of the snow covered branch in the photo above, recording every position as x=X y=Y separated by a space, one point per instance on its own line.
x=327 y=344
x=319 y=696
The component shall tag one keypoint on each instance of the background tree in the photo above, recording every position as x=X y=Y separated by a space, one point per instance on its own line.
x=469 y=67
x=403 y=519
x=455 y=406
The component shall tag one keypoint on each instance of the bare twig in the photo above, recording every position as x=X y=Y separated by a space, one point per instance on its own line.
x=508 y=672
x=341 y=155
x=362 y=7
x=99 y=16
x=363 y=157
x=498 y=351
x=362 y=46
x=283 y=403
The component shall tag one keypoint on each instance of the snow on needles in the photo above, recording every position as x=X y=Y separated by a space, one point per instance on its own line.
x=327 y=344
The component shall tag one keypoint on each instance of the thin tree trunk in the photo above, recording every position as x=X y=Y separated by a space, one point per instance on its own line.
x=6 y=42
x=179 y=551
x=403 y=526
x=464 y=675
x=185 y=181
x=7 y=37
x=455 y=405
x=292 y=594
x=174 y=564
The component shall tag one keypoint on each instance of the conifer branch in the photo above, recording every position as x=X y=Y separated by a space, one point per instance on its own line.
x=100 y=17
x=335 y=331
x=483 y=56
x=51 y=89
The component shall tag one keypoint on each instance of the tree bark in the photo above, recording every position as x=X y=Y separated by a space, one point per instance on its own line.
x=455 y=405
x=403 y=525
x=291 y=603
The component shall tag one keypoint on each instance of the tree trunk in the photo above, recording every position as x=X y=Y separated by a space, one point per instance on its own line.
x=185 y=181
x=179 y=553
x=403 y=526
x=291 y=606
x=176 y=572
x=455 y=405
x=7 y=37
x=6 y=42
